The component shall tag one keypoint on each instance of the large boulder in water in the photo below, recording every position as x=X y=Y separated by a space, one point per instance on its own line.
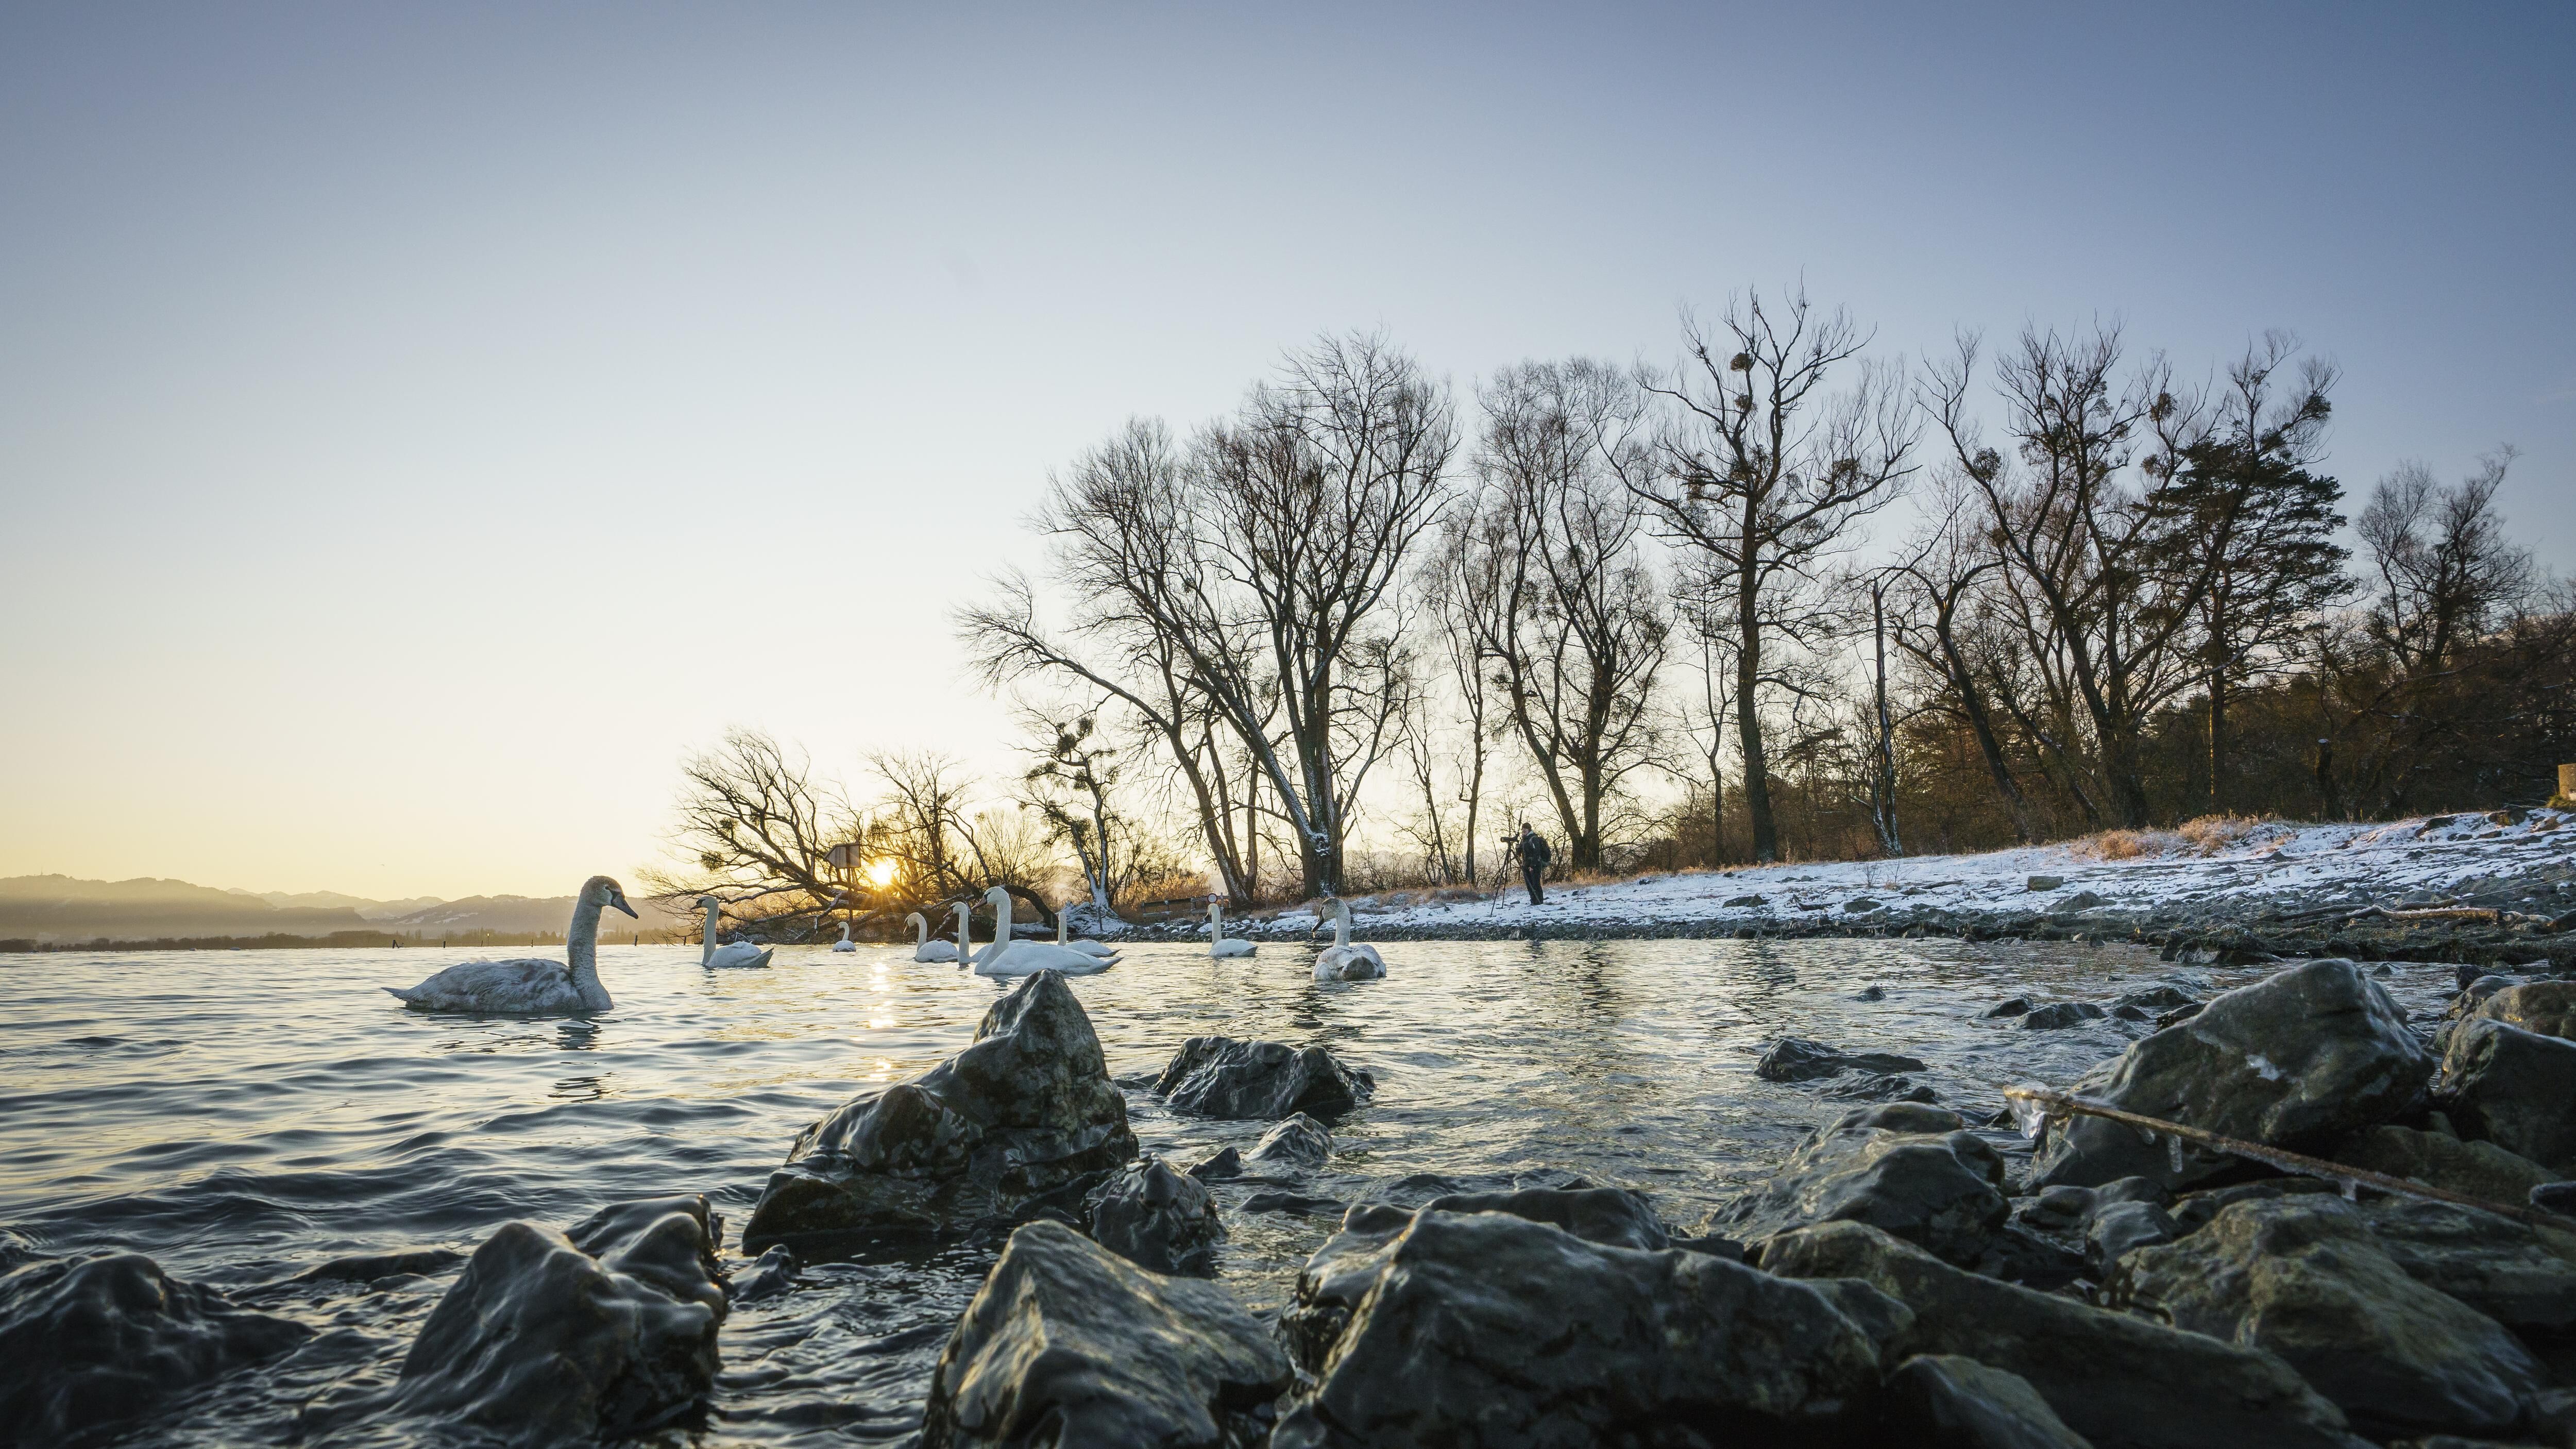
x=2514 y=1088
x=1067 y=1343
x=548 y=1337
x=2120 y=1381
x=2303 y=1278
x=1942 y=1401
x=2475 y=1169
x=2295 y=1060
x=1220 y=1076
x=1157 y=1218
x=1910 y=1170
x=1486 y=1328
x=1028 y=1113
x=1796 y=1059
x=1297 y=1142
x=2522 y=1276
x=2547 y=1007
x=92 y=1340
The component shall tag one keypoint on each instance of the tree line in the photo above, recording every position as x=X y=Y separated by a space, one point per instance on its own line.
x=1349 y=631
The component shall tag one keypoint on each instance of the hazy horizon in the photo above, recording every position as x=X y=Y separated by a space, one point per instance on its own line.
x=421 y=429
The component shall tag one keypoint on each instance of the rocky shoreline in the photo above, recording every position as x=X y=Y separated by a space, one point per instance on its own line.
x=1914 y=1272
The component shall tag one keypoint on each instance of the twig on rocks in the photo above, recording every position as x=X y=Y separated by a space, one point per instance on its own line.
x=2059 y=1104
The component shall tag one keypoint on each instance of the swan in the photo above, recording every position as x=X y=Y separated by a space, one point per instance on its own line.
x=1218 y=943
x=1006 y=957
x=532 y=987
x=732 y=953
x=845 y=943
x=924 y=948
x=1342 y=961
x=1088 y=948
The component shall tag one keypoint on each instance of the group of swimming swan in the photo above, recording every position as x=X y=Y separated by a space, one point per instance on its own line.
x=571 y=987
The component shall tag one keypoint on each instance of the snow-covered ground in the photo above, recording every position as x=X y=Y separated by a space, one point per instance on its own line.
x=2516 y=860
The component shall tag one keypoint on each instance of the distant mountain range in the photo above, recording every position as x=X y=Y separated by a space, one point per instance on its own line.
x=53 y=909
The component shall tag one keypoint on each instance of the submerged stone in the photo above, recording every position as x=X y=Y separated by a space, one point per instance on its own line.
x=548 y=1336
x=89 y=1341
x=1795 y=1059
x=1913 y=1171
x=1025 y=1115
x=1157 y=1219
x=1295 y=1141
x=1068 y=1344
x=1217 y=1076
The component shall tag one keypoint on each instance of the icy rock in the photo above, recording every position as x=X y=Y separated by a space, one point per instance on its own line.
x=1067 y=1343
x=1295 y=1141
x=1795 y=1059
x=2514 y=1088
x=2303 y=1278
x=1858 y=904
x=2080 y=901
x=1737 y=903
x=2296 y=1060
x=2058 y=1015
x=1909 y=1170
x=2118 y=1380
x=1217 y=1076
x=1943 y=1401
x=1486 y=1328
x=1157 y=1219
x=1026 y=1113
x=551 y=1336
x=88 y=1341
x=2044 y=882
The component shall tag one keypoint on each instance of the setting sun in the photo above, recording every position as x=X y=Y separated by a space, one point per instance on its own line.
x=881 y=872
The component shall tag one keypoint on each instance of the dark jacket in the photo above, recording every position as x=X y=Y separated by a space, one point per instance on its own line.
x=1532 y=850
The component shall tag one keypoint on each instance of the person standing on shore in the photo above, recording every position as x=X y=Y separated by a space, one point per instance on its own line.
x=1534 y=855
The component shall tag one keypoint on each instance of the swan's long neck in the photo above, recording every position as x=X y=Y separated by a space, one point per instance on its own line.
x=1061 y=926
x=581 y=952
x=920 y=929
x=845 y=930
x=1001 y=921
x=1342 y=926
x=1216 y=920
x=964 y=941
x=706 y=938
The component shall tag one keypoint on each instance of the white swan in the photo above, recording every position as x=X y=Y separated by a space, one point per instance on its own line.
x=1088 y=948
x=1006 y=957
x=924 y=948
x=1342 y=961
x=1218 y=944
x=845 y=943
x=732 y=953
x=531 y=987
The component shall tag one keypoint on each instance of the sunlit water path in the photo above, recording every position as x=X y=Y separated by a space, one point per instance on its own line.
x=240 y=1116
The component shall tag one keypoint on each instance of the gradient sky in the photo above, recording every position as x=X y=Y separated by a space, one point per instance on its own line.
x=421 y=426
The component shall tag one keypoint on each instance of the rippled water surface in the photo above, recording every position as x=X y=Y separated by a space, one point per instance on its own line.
x=240 y=1116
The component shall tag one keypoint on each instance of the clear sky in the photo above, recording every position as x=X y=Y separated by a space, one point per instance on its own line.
x=421 y=426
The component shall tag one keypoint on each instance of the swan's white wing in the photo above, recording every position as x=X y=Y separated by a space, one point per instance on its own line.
x=1021 y=958
x=499 y=988
x=1094 y=948
x=1230 y=946
x=740 y=954
x=845 y=945
x=936 y=951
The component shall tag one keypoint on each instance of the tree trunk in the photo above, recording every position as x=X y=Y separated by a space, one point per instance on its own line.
x=1748 y=726
x=2217 y=740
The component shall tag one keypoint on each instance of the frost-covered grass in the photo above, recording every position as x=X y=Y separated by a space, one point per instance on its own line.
x=2218 y=865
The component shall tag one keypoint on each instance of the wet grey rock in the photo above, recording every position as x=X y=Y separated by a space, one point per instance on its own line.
x=2179 y=1014
x=2056 y=1209
x=1025 y=1115
x=1068 y=1344
x=2058 y=1015
x=1157 y=1219
x=2547 y=1007
x=2193 y=1210
x=1912 y=1171
x=2044 y=882
x=1217 y=1166
x=2080 y=901
x=2009 y=1006
x=1795 y=1059
x=550 y=1336
x=2116 y=1228
x=1870 y=993
x=1738 y=903
x=369 y=1267
x=2132 y=1013
x=2158 y=998
x=2437 y=1159
x=1858 y=904
x=770 y=1277
x=2514 y=1088
x=1484 y=1328
x=1216 y=1076
x=1295 y=1141
x=1943 y=1401
x=2304 y=1279
x=1613 y=1217
x=89 y=1341
x=2296 y=1060
x=2520 y=1276
x=1295 y=1204
x=1877 y=1087
x=2115 y=1378
x=2557 y=1197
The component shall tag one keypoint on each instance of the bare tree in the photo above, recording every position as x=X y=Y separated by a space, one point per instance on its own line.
x=1461 y=600
x=756 y=830
x=1768 y=472
x=1578 y=627
x=2445 y=570
x=1942 y=573
x=1703 y=613
x=942 y=852
x=1068 y=783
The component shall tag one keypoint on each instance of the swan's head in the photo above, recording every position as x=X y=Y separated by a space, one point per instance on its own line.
x=917 y=919
x=708 y=903
x=999 y=895
x=601 y=890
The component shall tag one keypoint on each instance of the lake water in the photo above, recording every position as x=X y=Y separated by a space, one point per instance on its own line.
x=240 y=1116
